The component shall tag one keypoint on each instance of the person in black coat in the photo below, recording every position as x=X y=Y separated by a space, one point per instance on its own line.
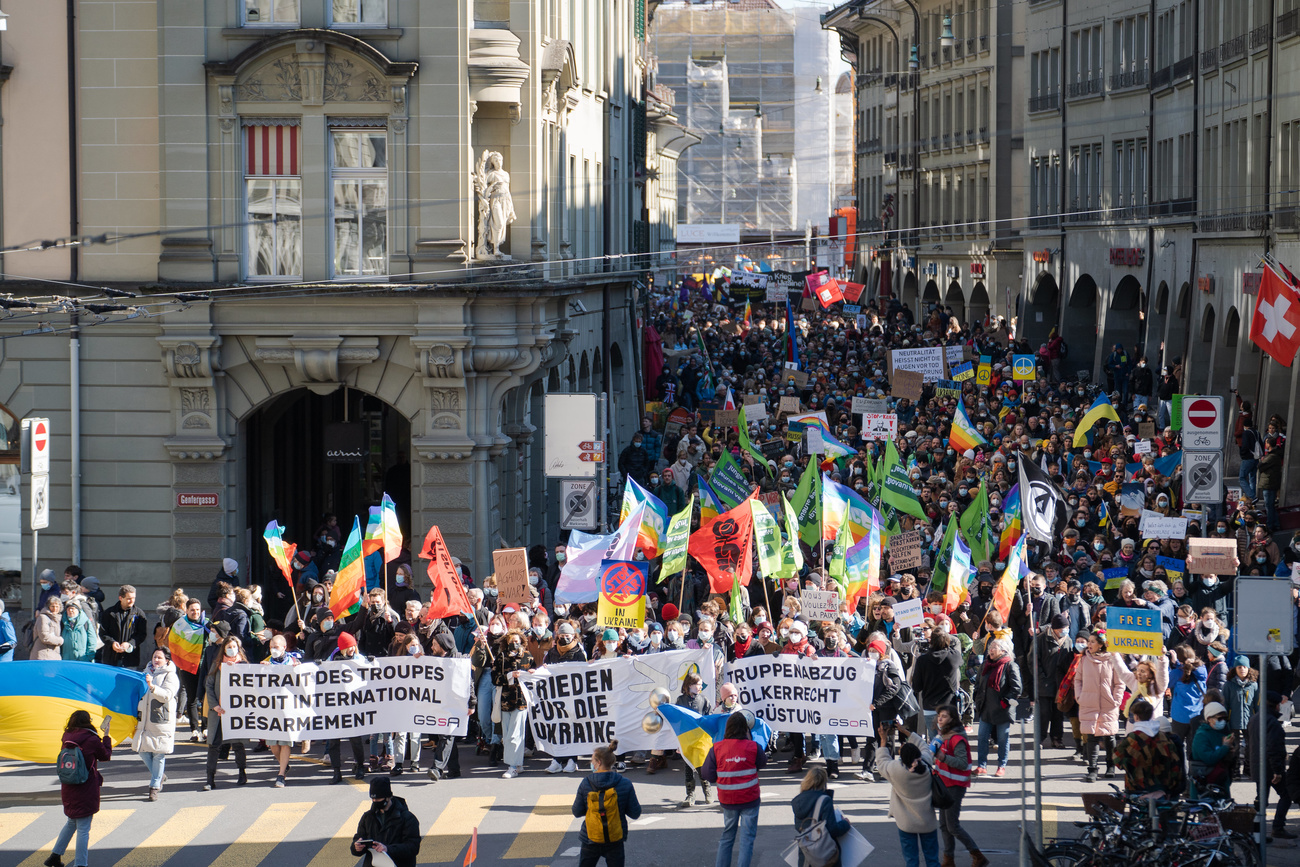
x=229 y=573
x=388 y=827
x=1275 y=761
x=937 y=676
x=1054 y=653
x=124 y=629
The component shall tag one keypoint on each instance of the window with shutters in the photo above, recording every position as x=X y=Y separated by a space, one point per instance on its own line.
x=273 y=201
x=359 y=174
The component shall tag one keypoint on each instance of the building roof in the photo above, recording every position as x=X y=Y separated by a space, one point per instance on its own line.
x=732 y=5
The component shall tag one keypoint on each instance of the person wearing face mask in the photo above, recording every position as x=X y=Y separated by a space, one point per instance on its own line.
x=1147 y=756
x=1211 y=591
x=996 y=686
x=567 y=646
x=937 y=676
x=78 y=635
x=231 y=653
x=481 y=658
x=1213 y=754
x=280 y=750
x=693 y=698
x=1053 y=659
x=1099 y=691
x=511 y=661
x=154 y=737
x=886 y=695
x=673 y=636
x=388 y=827
x=610 y=645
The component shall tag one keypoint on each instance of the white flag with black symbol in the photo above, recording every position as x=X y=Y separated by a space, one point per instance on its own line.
x=1042 y=505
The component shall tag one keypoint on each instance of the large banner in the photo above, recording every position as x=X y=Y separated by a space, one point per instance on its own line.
x=575 y=707
x=341 y=699
x=812 y=696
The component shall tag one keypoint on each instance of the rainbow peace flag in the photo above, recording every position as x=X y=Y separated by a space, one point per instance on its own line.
x=710 y=503
x=654 y=517
x=862 y=563
x=390 y=530
x=38 y=696
x=1011 y=529
x=185 y=640
x=281 y=553
x=1017 y=568
x=963 y=435
x=350 y=581
x=697 y=734
x=841 y=504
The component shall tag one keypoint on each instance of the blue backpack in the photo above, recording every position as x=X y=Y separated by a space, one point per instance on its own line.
x=72 y=765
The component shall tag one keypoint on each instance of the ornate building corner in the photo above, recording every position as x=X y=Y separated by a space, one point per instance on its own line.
x=441 y=361
x=190 y=363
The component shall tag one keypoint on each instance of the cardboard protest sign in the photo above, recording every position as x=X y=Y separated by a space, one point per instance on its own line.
x=511 y=567
x=926 y=360
x=1134 y=630
x=905 y=551
x=755 y=412
x=1142 y=447
x=819 y=605
x=1147 y=430
x=726 y=418
x=1212 y=556
x=790 y=404
x=869 y=404
x=907 y=383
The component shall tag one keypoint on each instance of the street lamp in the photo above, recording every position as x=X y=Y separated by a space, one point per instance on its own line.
x=945 y=38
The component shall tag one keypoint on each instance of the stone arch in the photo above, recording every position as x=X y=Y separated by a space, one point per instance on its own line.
x=1207 y=324
x=617 y=370
x=1123 y=325
x=911 y=296
x=955 y=297
x=584 y=373
x=978 y=306
x=1231 y=327
x=1042 y=312
x=1162 y=298
x=1080 y=324
x=553 y=380
x=931 y=293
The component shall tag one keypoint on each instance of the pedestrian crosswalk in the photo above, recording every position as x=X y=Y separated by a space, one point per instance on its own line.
x=251 y=829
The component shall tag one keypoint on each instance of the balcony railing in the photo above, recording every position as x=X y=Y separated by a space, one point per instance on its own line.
x=869 y=79
x=1173 y=207
x=1285 y=219
x=1130 y=79
x=984 y=133
x=1261 y=36
x=906 y=160
x=1288 y=24
x=947 y=141
x=1232 y=49
x=1090 y=87
x=1234 y=223
x=1048 y=222
x=1209 y=59
x=1045 y=102
x=891 y=80
x=1162 y=77
x=891 y=158
x=873 y=146
x=1184 y=68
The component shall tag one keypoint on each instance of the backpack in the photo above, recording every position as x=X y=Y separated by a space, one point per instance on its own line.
x=815 y=841
x=71 y=765
x=1065 y=349
x=603 y=821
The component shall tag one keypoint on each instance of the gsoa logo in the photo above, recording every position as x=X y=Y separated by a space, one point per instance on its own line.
x=435 y=721
x=851 y=723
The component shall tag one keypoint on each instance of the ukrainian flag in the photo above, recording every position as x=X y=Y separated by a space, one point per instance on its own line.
x=1101 y=408
x=697 y=734
x=38 y=696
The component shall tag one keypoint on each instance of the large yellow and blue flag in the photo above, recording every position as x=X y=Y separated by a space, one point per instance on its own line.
x=697 y=733
x=38 y=696
x=1101 y=408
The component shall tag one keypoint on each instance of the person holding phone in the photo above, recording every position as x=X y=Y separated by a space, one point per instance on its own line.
x=81 y=800
x=388 y=827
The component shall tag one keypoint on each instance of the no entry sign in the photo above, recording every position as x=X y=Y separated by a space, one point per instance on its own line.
x=40 y=455
x=1202 y=422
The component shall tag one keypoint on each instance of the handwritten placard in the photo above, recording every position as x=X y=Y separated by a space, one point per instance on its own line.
x=907 y=384
x=1142 y=447
x=1114 y=577
x=1147 y=430
x=790 y=404
x=905 y=551
x=819 y=604
x=726 y=418
x=1212 y=556
x=511 y=565
x=961 y=372
x=1163 y=528
x=908 y=614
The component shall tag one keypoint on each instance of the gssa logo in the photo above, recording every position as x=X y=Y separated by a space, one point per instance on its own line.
x=852 y=723
x=437 y=722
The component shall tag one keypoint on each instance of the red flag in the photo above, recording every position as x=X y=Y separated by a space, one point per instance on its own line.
x=472 y=852
x=853 y=291
x=723 y=547
x=829 y=293
x=448 y=597
x=1275 y=327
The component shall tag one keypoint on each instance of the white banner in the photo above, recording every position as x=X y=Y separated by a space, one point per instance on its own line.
x=825 y=696
x=879 y=425
x=343 y=699
x=925 y=360
x=575 y=707
x=1161 y=527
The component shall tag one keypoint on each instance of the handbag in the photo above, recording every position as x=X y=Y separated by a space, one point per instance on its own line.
x=815 y=841
x=940 y=797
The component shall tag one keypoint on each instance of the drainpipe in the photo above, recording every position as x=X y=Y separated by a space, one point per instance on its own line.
x=74 y=431
x=74 y=217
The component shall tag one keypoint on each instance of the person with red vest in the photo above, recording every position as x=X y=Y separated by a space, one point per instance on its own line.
x=952 y=762
x=733 y=764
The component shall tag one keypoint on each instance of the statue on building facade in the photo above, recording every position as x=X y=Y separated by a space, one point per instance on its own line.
x=496 y=207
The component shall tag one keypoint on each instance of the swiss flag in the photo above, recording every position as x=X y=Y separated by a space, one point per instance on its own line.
x=1275 y=327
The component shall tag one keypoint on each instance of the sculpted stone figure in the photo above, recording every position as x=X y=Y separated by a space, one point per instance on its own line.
x=496 y=208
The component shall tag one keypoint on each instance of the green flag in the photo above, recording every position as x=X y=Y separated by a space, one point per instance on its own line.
x=676 y=539
x=873 y=483
x=896 y=489
x=939 y=577
x=806 y=500
x=792 y=533
x=976 y=526
x=728 y=481
x=768 y=537
x=759 y=459
x=737 y=607
x=838 y=566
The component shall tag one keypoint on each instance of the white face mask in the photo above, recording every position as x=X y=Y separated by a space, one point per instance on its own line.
x=656 y=637
x=706 y=637
x=611 y=646
x=871 y=654
x=277 y=653
x=232 y=651
x=796 y=637
x=413 y=648
x=784 y=633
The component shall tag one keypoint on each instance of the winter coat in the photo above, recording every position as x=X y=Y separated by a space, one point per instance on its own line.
x=809 y=808
x=628 y=806
x=936 y=676
x=1274 y=747
x=155 y=732
x=1241 y=698
x=397 y=828
x=47 y=636
x=997 y=684
x=8 y=638
x=1099 y=690
x=78 y=637
x=212 y=691
x=232 y=580
x=1050 y=648
x=512 y=694
x=1270 y=471
x=123 y=626
x=909 y=793
x=1188 y=698
x=82 y=799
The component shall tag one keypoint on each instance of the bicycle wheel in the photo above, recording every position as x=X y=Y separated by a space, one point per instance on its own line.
x=1068 y=854
x=1242 y=848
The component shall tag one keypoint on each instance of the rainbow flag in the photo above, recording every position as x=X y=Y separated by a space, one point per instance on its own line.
x=815 y=419
x=391 y=531
x=957 y=590
x=281 y=553
x=697 y=734
x=841 y=505
x=1010 y=522
x=710 y=503
x=350 y=581
x=963 y=435
x=372 y=549
x=862 y=563
x=38 y=696
x=185 y=641
x=654 y=517
x=1017 y=568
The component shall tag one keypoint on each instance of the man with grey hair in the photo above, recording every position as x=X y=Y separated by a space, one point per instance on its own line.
x=997 y=687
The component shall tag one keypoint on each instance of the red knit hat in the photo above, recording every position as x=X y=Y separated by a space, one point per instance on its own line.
x=347 y=640
x=670 y=611
x=879 y=647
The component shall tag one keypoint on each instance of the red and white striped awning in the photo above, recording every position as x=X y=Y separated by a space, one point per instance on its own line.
x=272 y=151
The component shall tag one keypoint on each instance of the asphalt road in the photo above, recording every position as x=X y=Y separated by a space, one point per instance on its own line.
x=525 y=821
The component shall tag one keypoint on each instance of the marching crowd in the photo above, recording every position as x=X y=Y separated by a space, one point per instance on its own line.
x=1180 y=721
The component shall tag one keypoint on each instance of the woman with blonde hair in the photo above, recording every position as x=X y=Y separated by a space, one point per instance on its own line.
x=815 y=803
